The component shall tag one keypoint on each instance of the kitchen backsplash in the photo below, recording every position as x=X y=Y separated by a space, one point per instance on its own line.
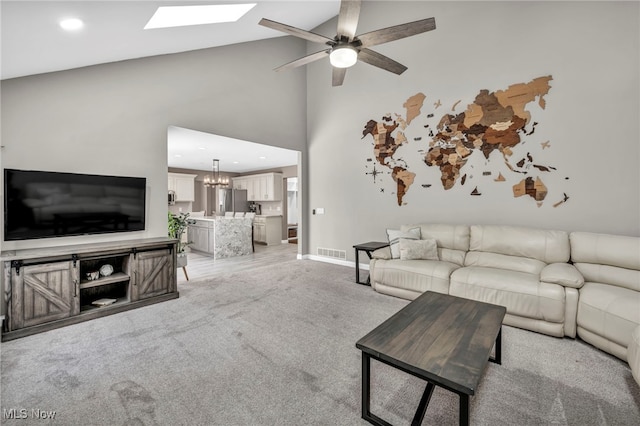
x=271 y=207
x=180 y=206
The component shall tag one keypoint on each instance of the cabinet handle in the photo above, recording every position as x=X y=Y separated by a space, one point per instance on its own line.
x=75 y=288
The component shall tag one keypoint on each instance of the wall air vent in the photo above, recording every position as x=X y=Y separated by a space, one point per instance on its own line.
x=333 y=253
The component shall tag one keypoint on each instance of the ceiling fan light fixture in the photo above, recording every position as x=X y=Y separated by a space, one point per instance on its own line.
x=343 y=57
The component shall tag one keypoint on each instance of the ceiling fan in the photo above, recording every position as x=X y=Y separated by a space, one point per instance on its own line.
x=345 y=49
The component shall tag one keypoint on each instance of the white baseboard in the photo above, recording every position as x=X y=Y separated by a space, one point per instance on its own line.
x=330 y=260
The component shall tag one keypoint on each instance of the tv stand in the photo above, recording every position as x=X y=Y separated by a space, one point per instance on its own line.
x=53 y=287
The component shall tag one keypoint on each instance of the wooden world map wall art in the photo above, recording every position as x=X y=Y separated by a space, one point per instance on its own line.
x=497 y=121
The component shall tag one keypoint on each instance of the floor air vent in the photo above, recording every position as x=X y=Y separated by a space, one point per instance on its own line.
x=333 y=253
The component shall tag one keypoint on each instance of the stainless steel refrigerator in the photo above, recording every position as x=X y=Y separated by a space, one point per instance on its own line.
x=232 y=200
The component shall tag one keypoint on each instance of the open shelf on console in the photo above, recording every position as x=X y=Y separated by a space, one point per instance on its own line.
x=113 y=278
x=118 y=290
x=115 y=286
x=121 y=301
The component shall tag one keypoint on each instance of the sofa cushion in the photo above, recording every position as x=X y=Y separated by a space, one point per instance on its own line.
x=453 y=256
x=605 y=249
x=418 y=250
x=415 y=275
x=620 y=277
x=564 y=274
x=394 y=236
x=382 y=253
x=455 y=237
x=605 y=258
x=547 y=246
x=521 y=293
x=609 y=311
x=503 y=261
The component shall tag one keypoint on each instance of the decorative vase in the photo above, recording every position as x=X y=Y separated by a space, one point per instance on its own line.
x=106 y=270
x=181 y=260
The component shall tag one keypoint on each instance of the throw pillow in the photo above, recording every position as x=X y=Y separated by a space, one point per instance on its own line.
x=394 y=236
x=418 y=249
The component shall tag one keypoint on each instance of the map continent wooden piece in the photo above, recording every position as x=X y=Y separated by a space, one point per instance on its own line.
x=413 y=106
x=494 y=121
x=535 y=189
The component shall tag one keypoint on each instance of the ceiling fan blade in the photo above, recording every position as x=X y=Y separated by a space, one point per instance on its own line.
x=307 y=35
x=348 y=18
x=304 y=60
x=397 y=32
x=381 y=61
x=338 y=76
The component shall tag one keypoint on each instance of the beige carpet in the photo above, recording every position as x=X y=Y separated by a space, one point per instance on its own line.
x=276 y=346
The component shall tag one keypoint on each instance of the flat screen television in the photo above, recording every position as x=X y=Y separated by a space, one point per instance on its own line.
x=41 y=204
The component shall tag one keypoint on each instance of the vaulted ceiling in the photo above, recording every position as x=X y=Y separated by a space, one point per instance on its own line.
x=34 y=43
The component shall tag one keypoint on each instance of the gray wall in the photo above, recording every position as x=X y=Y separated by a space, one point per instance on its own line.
x=591 y=118
x=113 y=118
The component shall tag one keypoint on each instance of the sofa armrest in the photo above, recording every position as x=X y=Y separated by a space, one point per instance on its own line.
x=382 y=253
x=563 y=274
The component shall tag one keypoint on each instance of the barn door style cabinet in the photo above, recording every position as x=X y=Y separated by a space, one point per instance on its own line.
x=53 y=287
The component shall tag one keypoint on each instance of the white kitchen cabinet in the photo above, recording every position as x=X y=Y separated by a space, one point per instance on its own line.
x=259 y=231
x=267 y=230
x=199 y=237
x=183 y=185
x=240 y=183
x=261 y=187
x=263 y=190
x=253 y=189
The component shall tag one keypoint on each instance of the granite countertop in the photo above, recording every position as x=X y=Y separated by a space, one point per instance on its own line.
x=213 y=218
x=205 y=218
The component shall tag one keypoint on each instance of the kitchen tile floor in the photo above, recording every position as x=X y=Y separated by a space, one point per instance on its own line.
x=202 y=267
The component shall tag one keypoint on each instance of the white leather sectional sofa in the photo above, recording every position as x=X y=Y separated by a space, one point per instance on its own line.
x=552 y=282
x=609 y=304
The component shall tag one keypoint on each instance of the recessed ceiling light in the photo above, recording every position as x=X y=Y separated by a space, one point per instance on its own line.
x=235 y=162
x=262 y=158
x=71 y=24
x=178 y=155
x=180 y=16
x=202 y=148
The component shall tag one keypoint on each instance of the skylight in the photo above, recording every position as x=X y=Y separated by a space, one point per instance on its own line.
x=180 y=16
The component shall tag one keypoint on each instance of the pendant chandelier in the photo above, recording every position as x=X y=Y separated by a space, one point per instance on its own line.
x=215 y=179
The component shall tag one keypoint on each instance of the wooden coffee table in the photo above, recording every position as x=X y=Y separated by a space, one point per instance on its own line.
x=443 y=339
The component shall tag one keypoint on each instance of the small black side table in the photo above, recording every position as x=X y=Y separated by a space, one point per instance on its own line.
x=367 y=248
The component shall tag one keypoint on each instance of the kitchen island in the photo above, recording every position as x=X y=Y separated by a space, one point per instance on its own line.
x=220 y=237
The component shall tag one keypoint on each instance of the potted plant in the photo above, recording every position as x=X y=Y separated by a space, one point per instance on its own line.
x=177 y=225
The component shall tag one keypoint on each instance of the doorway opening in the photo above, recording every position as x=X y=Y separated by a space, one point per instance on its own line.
x=292 y=210
x=192 y=152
